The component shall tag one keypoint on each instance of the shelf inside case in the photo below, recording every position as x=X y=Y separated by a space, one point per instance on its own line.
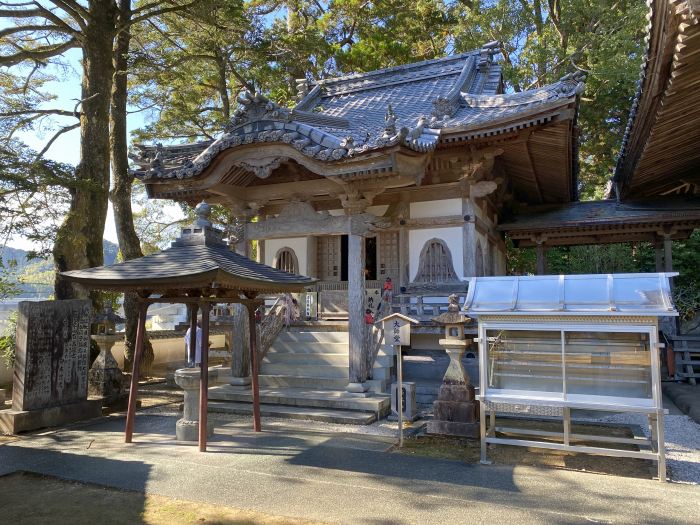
x=598 y=363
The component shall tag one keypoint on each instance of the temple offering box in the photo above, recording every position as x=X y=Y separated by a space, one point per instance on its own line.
x=552 y=344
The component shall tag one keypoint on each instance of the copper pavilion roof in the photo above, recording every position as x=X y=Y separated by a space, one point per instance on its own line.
x=199 y=259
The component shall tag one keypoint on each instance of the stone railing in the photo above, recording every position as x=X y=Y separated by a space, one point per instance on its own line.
x=271 y=326
x=374 y=338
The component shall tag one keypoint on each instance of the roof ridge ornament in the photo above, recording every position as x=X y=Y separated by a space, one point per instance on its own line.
x=256 y=106
x=486 y=54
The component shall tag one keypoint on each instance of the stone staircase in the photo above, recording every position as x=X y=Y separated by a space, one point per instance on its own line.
x=304 y=375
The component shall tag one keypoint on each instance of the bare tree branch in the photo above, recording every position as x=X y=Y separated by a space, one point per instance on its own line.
x=39 y=54
x=53 y=139
x=61 y=112
x=38 y=27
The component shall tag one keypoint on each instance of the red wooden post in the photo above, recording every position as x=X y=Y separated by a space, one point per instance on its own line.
x=193 y=332
x=254 y=366
x=204 y=381
x=133 y=390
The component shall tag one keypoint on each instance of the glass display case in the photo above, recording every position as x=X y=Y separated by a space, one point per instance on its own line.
x=549 y=344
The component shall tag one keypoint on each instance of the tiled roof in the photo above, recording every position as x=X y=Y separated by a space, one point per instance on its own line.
x=411 y=105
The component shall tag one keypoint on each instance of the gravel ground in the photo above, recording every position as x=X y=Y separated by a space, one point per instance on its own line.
x=682 y=438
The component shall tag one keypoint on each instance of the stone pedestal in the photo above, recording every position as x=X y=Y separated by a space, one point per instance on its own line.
x=105 y=379
x=187 y=428
x=455 y=411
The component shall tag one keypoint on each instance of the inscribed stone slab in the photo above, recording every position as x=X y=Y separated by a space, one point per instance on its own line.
x=53 y=347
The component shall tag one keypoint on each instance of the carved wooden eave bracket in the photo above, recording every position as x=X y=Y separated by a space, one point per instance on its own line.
x=301 y=219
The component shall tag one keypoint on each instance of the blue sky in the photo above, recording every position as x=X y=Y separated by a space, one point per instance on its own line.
x=67 y=147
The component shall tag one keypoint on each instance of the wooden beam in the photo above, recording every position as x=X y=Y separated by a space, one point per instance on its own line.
x=133 y=390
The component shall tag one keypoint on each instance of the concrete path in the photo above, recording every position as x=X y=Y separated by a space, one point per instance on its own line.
x=339 y=478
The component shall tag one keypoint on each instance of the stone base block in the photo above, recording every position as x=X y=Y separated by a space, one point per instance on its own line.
x=456 y=392
x=357 y=388
x=239 y=381
x=15 y=421
x=459 y=411
x=453 y=428
x=189 y=430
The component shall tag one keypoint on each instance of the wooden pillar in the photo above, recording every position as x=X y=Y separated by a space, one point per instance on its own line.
x=261 y=251
x=204 y=379
x=659 y=255
x=668 y=253
x=468 y=239
x=193 y=332
x=133 y=390
x=356 y=312
x=541 y=250
x=254 y=365
x=404 y=277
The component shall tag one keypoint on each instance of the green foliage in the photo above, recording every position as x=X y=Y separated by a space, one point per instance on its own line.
x=542 y=41
x=8 y=341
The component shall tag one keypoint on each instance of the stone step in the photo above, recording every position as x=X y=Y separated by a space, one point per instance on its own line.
x=287 y=347
x=287 y=381
x=313 y=337
x=340 y=359
x=302 y=397
x=326 y=415
x=310 y=370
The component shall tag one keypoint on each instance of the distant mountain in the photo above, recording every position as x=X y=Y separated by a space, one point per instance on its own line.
x=35 y=276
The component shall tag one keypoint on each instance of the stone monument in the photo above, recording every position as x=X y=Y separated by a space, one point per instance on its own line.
x=50 y=377
x=105 y=379
x=187 y=428
x=455 y=411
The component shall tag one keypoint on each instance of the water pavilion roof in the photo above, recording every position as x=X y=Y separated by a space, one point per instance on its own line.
x=342 y=127
x=197 y=262
x=660 y=153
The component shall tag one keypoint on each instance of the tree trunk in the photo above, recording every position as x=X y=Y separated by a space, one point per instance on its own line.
x=129 y=243
x=79 y=239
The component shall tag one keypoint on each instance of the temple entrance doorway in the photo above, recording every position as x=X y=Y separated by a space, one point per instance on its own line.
x=370 y=258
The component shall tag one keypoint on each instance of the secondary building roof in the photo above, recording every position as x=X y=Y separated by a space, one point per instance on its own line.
x=599 y=222
x=660 y=152
x=198 y=260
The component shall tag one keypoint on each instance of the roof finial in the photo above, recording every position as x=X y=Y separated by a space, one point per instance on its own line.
x=203 y=212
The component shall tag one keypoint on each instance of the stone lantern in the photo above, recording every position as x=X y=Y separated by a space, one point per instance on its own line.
x=454 y=412
x=105 y=379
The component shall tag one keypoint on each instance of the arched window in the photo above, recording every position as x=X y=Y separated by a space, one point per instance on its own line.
x=286 y=260
x=479 y=260
x=435 y=264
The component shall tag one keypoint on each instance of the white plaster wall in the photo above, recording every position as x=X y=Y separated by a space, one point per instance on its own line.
x=451 y=236
x=441 y=208
x=298 y=244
